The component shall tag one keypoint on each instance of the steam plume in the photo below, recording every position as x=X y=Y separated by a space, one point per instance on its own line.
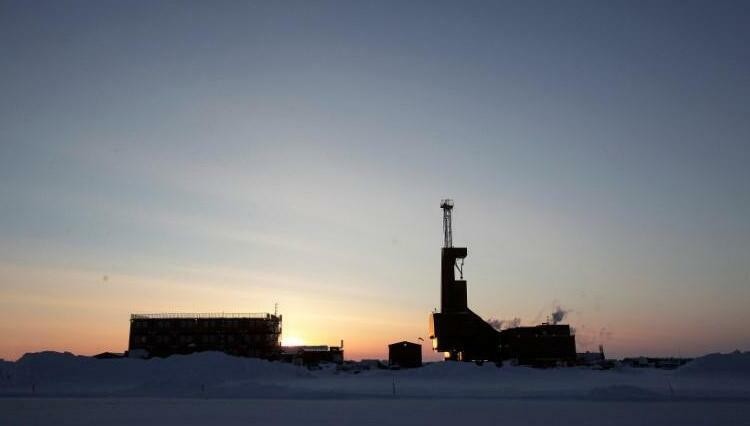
x=558 y=315
x=499 y=324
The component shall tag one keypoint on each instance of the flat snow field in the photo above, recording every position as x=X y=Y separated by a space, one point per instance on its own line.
x=61 y=389
x=187 y=412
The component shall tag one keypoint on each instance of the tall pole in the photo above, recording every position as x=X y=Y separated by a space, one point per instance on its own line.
x=447 y=206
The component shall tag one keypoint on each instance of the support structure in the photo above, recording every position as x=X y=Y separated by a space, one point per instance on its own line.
x=457 y=331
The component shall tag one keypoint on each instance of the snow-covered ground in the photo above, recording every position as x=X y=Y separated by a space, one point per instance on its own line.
x=60 y=389
x=381 y=412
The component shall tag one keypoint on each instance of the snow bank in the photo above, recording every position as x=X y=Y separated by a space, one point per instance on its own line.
x=216 y=375
x=732 y=364
x=54 y=373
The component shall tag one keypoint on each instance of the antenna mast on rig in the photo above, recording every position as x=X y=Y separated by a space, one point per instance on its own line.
x=447 y=206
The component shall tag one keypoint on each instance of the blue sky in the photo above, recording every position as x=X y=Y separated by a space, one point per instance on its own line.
x=224 y=156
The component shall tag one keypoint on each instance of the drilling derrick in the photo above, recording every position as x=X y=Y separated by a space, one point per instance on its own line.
x=457 y=331
x=463 y=335
x=452 y=291
x=447 y=206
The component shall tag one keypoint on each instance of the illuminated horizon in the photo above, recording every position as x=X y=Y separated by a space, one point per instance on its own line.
x=160 y=157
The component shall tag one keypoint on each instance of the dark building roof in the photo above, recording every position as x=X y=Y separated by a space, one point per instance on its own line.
x=404 y=343
x=210 y=315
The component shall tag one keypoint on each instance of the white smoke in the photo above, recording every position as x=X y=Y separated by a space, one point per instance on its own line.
x=499 y=324
x=558 y=315
x=495 y=323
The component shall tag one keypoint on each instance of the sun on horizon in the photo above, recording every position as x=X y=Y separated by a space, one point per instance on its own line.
x=292 y=341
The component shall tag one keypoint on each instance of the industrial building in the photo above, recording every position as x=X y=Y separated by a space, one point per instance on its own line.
x=161 y=335
x=653 y=362
x=405 y=355
x=544 y=345
x=463 y=335
x=592 y=359
x=312 y=356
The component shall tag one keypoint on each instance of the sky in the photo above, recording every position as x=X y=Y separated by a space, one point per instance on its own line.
x=160 y=156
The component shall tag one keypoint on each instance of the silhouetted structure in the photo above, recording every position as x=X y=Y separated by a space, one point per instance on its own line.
x=311 y=356
x=592 y=358
x=464 y=336
x=457 y=331
x=544 y=345
x=405 y=355
x=161 y=335
x=653 y=362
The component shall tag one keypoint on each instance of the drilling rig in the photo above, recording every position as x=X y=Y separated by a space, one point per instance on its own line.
x=463 y=335
x=456 y=331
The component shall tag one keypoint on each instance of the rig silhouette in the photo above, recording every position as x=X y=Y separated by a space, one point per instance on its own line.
x=462 y=335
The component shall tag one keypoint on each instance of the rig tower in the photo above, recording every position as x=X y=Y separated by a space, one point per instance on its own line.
x=457 y=331
x=447 y=206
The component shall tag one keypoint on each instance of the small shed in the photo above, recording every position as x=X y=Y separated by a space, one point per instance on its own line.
x=405 y=354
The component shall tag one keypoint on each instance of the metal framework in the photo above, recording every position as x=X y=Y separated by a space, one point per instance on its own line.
x=447 y=206
x=240 y=334
x=199 y=315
